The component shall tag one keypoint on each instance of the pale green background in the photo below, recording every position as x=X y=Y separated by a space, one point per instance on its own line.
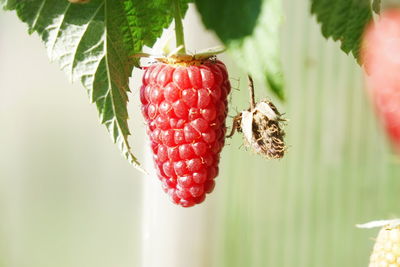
x=68 y=199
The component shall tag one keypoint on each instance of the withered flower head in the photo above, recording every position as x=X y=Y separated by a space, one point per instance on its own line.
x=261 y=126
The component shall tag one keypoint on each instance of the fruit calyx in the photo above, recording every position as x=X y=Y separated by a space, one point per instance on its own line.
x=184 y=59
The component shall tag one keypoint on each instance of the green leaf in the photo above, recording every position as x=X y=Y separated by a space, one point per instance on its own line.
x=251 y=32
x=231 y=20
x=93 y=43
x=376 y=6
x=343 y=20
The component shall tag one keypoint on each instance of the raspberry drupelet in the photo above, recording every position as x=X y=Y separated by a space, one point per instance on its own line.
x=185 y=108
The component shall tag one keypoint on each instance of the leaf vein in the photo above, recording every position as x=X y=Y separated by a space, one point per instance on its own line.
x=38 y=14
x=58 y=28
x=81 y=37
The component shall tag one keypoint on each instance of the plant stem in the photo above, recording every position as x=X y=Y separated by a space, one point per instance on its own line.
x=251 y=88
x=179 y=35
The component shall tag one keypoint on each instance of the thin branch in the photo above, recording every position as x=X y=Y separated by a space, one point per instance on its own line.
x=251 y=89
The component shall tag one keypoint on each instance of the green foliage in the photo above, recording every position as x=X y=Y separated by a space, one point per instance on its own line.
x=251 y=31
x=344 y=20
x=231 y=21
x=376 y=6
x=93 y=43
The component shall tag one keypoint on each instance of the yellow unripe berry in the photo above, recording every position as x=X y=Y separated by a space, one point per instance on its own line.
x=386 y=250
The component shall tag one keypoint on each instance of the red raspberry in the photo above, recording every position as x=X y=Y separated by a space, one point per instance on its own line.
x=381 y=57
x=185 y=107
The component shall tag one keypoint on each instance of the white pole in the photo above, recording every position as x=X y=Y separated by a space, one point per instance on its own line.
x=173 y=236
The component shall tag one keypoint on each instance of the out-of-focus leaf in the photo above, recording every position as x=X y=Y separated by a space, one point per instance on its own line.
x=251 y=32
x=231 y=20
x=376 y=6
x=343 y=20
x=93 y=43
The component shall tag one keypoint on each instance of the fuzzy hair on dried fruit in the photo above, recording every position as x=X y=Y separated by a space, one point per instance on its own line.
x=185 y=107
x=261 y=126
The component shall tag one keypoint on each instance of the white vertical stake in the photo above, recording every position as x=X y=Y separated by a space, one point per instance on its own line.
x=173 y=236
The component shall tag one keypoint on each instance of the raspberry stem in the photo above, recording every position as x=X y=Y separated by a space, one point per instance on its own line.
x=179 y=35
x=251 y=87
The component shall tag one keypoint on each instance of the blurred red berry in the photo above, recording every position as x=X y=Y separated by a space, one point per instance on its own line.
x=185 y=107
x=380 y=55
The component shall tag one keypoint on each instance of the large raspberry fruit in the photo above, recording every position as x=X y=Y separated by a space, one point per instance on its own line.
x=185 y=107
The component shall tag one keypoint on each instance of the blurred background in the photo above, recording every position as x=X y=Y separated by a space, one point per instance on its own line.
x=69 y=199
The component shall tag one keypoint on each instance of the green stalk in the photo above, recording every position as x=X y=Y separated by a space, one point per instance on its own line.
x=179 y=35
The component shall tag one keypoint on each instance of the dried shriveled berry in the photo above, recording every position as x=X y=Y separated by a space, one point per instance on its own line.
x=261 y=127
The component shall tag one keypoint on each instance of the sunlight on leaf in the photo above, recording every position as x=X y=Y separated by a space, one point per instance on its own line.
x=93 y=43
